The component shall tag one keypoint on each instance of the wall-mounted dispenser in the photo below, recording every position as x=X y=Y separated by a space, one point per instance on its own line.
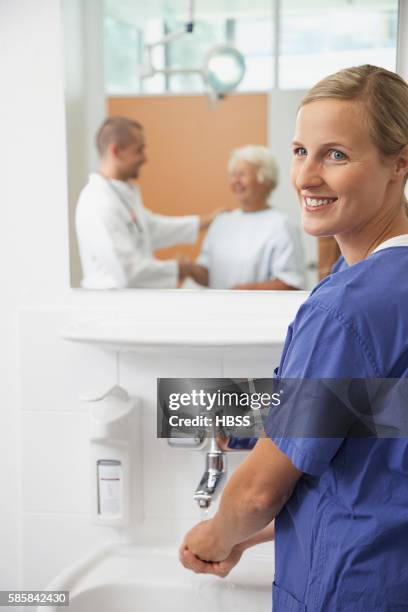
x=115 y=457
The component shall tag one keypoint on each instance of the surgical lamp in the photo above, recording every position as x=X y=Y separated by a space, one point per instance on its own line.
x=223 y=69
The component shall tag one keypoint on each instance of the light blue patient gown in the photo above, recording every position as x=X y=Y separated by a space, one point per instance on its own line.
x=342 y=538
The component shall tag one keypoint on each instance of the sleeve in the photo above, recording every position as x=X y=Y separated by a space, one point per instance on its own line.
x=242 y=443
x=322 y=358
x=287 y=261
x=167 y=231
x=204 y=257
x=107 y=238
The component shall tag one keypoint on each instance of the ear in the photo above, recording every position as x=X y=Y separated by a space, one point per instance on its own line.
x=114 y=150
x=401 y=163
x=260 y=176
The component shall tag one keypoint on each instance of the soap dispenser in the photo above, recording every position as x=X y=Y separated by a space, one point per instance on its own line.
x=114 y=420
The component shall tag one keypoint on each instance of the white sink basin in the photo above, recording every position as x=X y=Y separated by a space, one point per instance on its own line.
x=127 y=578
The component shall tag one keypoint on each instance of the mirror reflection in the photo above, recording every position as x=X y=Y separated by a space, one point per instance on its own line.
x=255 y=246
x=174 y=184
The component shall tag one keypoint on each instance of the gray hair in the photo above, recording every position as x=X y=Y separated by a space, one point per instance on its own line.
x=261 y=158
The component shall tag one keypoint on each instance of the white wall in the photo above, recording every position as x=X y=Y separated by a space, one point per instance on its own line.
x=82 y=25
x=282 y=110
x=402 y=49
x=34 y=234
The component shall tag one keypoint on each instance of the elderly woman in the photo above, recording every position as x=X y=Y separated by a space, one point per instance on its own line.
x=255 y=246
x=340 y=499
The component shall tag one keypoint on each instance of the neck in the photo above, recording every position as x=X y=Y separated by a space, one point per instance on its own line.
x=110 y=172
x=254 y=205
x=362 y=243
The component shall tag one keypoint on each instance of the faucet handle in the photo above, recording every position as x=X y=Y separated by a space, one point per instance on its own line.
x=197 y=442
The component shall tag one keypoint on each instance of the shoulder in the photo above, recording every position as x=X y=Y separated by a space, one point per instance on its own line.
x=228 y=216
x=95 y=186
x=283 y=236
x=366 y=304
x=367 y=286
x=325 y=342
x=278 y=220
x=95 y=198
x=224 y=220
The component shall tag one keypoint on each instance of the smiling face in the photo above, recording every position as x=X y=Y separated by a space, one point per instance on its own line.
x=250 y=192
x=130 y=158
x=342 y=181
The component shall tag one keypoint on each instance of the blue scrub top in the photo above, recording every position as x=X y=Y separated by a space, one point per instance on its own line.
x=339 y=265
x=342 y=538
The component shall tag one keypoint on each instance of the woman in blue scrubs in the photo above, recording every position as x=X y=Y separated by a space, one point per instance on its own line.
x=340 y=502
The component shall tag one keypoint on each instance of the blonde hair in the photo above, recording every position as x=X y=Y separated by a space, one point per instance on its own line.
x=261 y=158
x=384 y=95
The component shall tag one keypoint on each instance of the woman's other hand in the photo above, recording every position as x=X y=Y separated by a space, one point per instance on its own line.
x=218 y=568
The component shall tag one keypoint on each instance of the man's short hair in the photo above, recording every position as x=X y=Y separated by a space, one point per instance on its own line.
x=117 y=130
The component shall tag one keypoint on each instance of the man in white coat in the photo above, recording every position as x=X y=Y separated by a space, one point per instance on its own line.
x=116 y=234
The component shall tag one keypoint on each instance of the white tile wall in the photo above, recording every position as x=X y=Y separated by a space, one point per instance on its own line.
x=255 y=363
x=55 y=462
x=55 y=447
x=54 y=373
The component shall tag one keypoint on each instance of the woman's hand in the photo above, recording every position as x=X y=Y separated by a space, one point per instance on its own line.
x=205 y=543
x=223 y=567
x=218 y=568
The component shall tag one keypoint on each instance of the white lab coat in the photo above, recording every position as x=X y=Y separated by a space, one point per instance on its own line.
x=118 y=252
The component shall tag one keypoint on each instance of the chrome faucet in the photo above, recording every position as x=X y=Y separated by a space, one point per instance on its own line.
x=215 y=471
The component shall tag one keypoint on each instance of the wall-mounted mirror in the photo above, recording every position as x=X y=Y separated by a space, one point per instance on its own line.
x=189 y=136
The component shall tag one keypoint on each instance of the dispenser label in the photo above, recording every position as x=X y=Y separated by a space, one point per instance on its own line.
x=109 y=487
